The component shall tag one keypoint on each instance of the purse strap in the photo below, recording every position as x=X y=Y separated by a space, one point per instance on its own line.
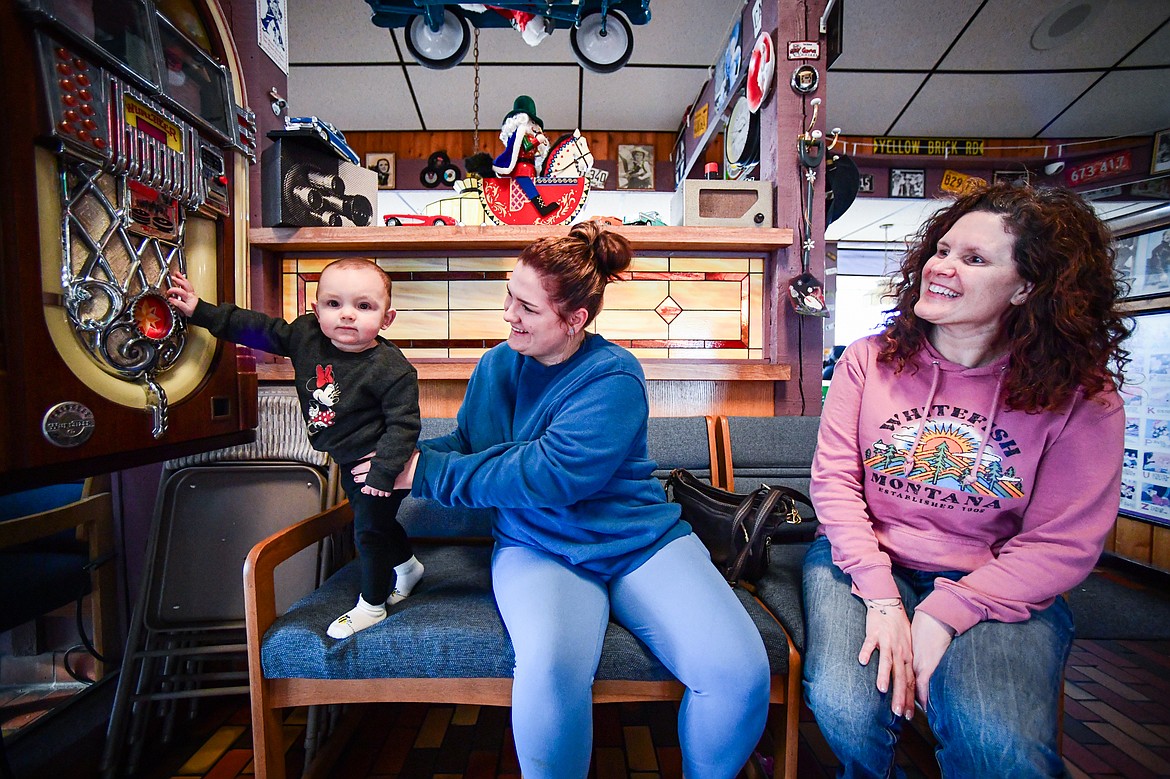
x=771 y=497
x=797 y=496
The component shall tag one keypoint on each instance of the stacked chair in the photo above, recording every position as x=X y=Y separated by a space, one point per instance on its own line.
x=186 y=636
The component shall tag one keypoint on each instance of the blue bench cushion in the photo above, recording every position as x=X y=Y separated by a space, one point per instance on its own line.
x=679 y=442
x=773 y=450
x=448 y=628
x=780 y=589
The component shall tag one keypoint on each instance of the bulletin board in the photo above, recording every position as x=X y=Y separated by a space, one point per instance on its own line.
x=1145 y=476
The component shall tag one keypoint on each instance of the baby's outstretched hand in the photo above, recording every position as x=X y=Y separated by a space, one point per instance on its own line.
x=182 y=294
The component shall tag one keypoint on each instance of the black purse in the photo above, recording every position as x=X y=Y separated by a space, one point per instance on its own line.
x=738 y=530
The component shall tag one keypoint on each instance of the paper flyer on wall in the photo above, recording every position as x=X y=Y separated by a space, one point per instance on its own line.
x=1145 y=478
x=272 y=31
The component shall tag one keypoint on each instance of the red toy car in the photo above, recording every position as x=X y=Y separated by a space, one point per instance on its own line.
x=398 y=220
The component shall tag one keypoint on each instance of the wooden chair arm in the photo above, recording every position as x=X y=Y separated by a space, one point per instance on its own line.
x=29 y=528
x=260 y=565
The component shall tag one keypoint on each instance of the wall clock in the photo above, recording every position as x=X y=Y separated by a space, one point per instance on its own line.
x=741 y=139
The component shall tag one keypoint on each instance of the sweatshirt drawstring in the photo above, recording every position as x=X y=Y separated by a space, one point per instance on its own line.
x=973 y=473
x=925 y=415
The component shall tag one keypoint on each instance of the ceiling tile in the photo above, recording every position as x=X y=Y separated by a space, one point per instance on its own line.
x=1155 y=51
x=1100 y=43
x=1001 y=106
x=850 y=103
x=446 y=97
x=1104 y=113
x=332 y=32
x=909 y=35
x=639 y=98
x=887 y=48
x=369 y=97
x=685 y=32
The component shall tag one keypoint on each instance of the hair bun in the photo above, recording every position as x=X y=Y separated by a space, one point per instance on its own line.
x=611 y=251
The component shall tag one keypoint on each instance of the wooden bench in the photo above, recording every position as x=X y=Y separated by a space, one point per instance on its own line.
x=446 y=643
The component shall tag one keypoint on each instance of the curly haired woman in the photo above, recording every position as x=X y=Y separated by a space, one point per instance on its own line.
x=967 y=473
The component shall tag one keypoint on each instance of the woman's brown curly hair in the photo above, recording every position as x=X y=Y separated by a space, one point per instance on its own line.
x=1068 y=332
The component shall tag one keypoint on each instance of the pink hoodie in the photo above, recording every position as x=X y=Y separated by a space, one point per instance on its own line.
x=1028 y=522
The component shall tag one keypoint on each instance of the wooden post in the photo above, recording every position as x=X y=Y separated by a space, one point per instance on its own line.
x=794 y=339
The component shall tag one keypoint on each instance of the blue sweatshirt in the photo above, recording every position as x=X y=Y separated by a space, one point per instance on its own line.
x=560 y=453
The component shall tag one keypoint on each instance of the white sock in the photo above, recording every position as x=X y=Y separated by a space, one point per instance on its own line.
x=360 y=617
x=408 y=574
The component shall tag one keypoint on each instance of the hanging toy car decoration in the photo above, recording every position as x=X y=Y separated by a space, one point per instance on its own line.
x=512 y=192
x=438 y=33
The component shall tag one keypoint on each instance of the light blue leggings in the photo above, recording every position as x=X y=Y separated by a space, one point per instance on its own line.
x=679 y=606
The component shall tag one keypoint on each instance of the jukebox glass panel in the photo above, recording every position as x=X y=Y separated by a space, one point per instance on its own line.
x=193 y=80
x=120 y=27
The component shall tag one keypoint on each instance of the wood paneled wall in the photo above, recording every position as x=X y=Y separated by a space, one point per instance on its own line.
x=1141 y=542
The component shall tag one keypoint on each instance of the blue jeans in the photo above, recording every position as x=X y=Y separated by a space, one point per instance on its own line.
x=679 y=606
x=993 y=699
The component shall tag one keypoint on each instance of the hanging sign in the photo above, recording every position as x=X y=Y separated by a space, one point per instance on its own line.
x=929 y=147
x=1102 y=168
x=960 y=183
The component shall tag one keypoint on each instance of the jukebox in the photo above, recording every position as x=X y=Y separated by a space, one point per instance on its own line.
x=125 y=153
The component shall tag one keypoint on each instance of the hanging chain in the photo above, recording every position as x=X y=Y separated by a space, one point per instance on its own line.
x=475 y=101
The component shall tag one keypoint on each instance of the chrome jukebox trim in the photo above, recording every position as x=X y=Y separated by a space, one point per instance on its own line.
x=118 y=269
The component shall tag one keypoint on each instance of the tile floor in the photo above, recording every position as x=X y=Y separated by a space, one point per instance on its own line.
x=1117 y=724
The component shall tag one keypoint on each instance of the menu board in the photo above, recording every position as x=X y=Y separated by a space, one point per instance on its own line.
x=1145 y=475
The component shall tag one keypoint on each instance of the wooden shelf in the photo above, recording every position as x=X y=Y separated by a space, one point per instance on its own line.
x=431 y=369
x=497 y=237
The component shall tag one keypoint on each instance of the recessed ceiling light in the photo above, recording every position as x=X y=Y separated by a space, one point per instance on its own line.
x=1064 y=21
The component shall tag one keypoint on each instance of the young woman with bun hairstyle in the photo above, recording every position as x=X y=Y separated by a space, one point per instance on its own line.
x=552 y=435
x=967 y=472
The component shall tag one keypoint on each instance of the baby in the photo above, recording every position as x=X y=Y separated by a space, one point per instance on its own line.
x=359 y=395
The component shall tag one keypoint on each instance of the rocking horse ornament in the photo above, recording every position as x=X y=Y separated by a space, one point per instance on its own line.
x=512 y=192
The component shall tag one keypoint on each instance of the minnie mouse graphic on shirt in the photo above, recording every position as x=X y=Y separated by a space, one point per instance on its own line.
x=325 y=394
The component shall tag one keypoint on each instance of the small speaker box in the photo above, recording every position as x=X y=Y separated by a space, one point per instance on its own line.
x=303 y=185
x=707 y=203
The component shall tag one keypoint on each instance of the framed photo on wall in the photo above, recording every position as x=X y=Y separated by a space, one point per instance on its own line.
x=907 y=182
x=1018 y=177
x=1160 y=159
x=865 y=183
x=635 y=166
x=1144 y=261
x=382 y=163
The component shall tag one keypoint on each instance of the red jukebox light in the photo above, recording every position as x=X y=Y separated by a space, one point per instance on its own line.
x=125 y=156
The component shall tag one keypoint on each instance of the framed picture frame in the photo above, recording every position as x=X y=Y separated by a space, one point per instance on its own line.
x=1145 y=472
x=1144 y=261
x=1016 y=177
x=1160 y=156
x=382 y=163
x=907 y=182
x=635 y=166
x=865 y=183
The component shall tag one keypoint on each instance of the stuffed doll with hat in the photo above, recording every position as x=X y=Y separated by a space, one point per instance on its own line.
x=525 y=148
